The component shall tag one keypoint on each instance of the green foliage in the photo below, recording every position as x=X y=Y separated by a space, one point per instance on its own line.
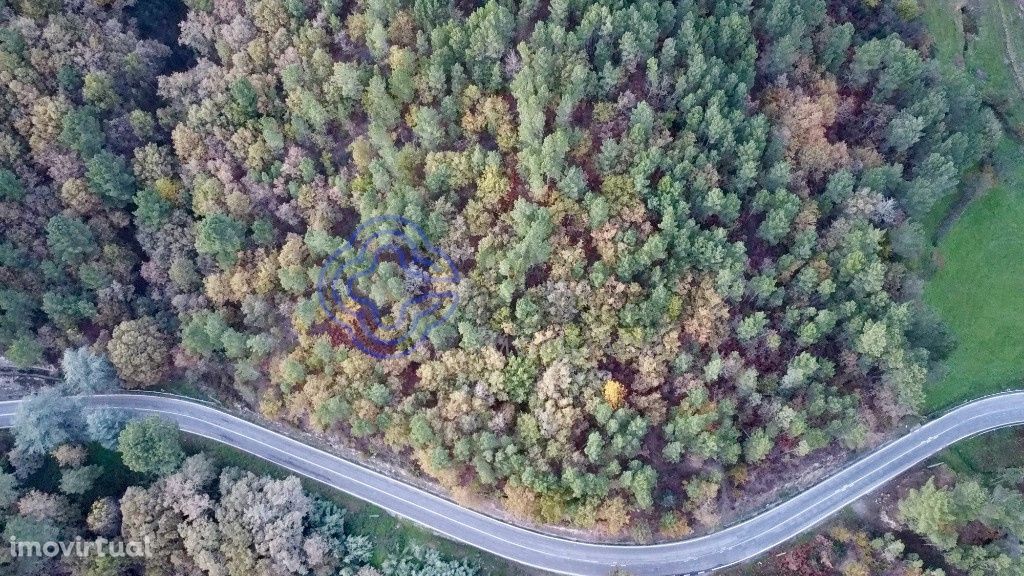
x=220 y=236
x=109 y=177
x=67 y=310
x=46 y=420
x=641 y=481
x=244 y=96
x=711 y=205
x=24 y=351
x=79 y=480
x=695 y=430
x=81 y=131
x=519 y=375
x=969 y=503
x=87 y=373
x=757 y=446
x=10 y=187
x=421 y=560
x=420 y=431
x=151 y=446
x=104 y=426
x=202 y=334
x=8 y=490
x=70 y=240
x=140 y=351
x=98 y=89
x=928 y=511
x=151 y=210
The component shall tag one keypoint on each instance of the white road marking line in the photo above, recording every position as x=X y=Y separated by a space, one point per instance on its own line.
x=815 y=504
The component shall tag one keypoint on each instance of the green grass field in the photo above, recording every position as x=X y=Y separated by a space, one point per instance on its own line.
x=931 y=221
x=1000 y=33
x=980 y=38
x=946 y=29
x=979 y=286
x=987 y=454
x=979 y=289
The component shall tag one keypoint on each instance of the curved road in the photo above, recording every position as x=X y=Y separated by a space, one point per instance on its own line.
x=550 y=553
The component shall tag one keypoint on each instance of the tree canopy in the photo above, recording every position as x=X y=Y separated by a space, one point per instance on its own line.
x=688 y=232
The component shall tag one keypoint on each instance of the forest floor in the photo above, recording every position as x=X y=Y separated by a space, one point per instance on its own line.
x=979 y=283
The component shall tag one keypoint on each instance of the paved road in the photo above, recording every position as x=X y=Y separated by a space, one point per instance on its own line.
x=728 y=546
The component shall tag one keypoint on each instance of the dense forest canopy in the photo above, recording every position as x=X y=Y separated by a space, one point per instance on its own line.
x=687 y=231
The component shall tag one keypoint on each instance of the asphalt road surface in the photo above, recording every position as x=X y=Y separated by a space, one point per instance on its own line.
x=734 y=544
